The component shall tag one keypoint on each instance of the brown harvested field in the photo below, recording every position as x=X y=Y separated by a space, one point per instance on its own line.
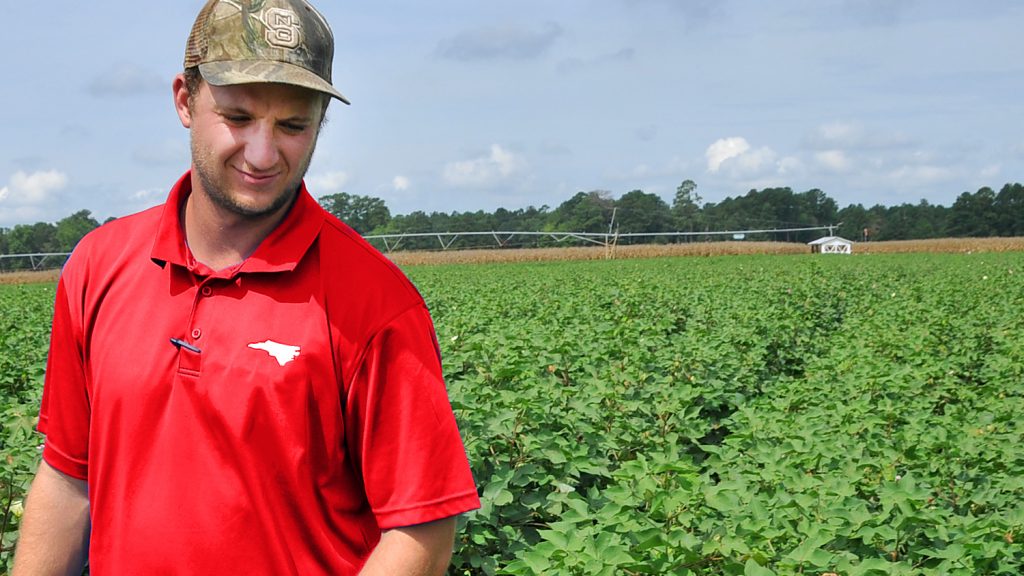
x=594 y=252
x=946 y=245
x=29 y=277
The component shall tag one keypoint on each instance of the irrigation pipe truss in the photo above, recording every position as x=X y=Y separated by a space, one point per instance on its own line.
x=36 y=260
x=446 y=239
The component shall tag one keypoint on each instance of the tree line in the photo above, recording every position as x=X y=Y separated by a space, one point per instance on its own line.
x=978 y=214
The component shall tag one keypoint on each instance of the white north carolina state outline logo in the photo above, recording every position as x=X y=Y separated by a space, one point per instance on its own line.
x=283 y=353
x=283 y=28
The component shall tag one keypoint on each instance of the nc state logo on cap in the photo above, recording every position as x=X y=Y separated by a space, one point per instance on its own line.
x=283 y=28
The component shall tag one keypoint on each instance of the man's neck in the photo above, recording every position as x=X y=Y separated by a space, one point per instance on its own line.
x=220 y=238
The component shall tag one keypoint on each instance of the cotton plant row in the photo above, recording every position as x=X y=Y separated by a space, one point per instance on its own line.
x=742 y=415
x=750 y=415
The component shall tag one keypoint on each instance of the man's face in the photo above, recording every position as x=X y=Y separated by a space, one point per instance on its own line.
x=252 y=143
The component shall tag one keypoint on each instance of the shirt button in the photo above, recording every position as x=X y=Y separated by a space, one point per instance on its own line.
x=196 y=333
x=206 y=291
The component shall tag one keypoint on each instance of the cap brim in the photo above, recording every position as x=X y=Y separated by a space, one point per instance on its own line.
x=258 y=71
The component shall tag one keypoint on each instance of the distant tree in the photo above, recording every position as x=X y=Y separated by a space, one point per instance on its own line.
x=974 y=215
x=505 y=219
x=584 y=212
x=413 y=222
x=33 y=238
x=899 y=222
x=529 y=219
x=362 y=213
x=768 y=209
x=855 y=221
x=816 y=208
x=686 y=211
x=440 y=221
x=417 y=222
x=478 y=221
x=878 y=221
x=929 y=220
x=1009 y=207
x=640 y=212
x=72 y=228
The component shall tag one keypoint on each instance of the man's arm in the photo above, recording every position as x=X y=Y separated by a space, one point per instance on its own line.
x=421 y=550
x=55 y=528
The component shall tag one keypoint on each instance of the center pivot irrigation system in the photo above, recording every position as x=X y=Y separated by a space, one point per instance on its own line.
x=608 y=240
x=36 y=261
x=49 y=260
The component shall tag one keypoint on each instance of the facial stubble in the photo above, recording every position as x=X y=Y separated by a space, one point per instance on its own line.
x=205 y=165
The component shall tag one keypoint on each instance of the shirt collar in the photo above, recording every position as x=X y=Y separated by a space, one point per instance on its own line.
x=280 y=251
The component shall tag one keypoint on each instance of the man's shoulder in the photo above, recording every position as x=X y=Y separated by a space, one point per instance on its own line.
x=356 y=265
x=340 y=242
x=115 y=240
x=126 y=229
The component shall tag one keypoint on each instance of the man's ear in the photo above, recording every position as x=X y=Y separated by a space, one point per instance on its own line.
x=181 y=100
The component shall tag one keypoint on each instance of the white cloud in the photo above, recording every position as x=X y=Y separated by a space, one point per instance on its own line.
x=723 y=149
x=32 y=189
x=327 y=182
x=790 y=165
x=136 y=201
x=834 y=160
x=735 y=158
x=754 y=162
x=483 y=171
x=149 y=196
x=400 y=183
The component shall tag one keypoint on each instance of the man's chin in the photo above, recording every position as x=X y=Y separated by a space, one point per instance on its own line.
x=256 y=208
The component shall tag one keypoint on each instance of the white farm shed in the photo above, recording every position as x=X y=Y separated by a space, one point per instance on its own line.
x=831 y=245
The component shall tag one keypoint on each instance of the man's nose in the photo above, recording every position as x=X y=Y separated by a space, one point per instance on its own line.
x=261 y=148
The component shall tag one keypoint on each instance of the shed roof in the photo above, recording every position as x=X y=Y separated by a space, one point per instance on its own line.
x=829 y=239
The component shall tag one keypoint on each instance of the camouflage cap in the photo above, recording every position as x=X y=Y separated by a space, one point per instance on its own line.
x=247 y=41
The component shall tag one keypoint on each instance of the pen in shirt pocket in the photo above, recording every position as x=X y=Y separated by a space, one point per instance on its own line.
x=182 y=344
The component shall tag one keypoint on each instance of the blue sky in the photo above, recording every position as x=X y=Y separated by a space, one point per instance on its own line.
x=468 y=105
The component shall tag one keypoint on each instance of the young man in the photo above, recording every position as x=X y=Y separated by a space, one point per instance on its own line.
x=238 y=383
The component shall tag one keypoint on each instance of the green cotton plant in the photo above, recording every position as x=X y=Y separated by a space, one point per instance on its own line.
x=744 y=415
x=25 y=315
x=739 y=415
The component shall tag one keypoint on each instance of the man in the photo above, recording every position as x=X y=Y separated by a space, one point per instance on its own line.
x=238 y=383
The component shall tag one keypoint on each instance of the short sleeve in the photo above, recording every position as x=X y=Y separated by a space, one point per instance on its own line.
x=64 y=410
x=401 y=430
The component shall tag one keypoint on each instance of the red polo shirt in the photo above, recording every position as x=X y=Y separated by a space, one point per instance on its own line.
x=301 y=412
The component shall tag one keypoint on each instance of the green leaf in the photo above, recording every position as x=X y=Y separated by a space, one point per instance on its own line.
x=752 y=568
